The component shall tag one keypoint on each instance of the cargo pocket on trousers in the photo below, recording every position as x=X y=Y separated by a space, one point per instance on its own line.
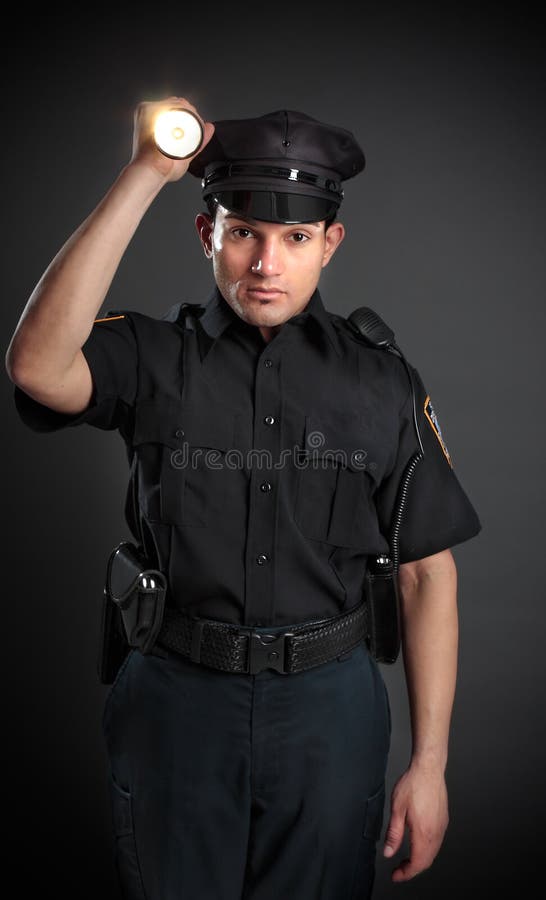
x=365 y=866
x=120 y=676
x=126 y=859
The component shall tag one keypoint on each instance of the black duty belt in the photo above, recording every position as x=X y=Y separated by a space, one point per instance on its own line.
x=234 y=648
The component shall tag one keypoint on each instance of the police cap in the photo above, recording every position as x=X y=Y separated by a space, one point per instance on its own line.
x=280 y=167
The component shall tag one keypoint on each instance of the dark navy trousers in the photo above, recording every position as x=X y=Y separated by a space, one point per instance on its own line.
x=228 y=786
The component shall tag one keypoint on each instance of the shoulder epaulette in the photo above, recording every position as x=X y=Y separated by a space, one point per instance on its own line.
x=111 y=314
x=109 y=318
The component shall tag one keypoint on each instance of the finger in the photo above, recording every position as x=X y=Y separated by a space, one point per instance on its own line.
x=207 y=133
x=394 y=834
x=409 y=868
x=182 y=101
x=146 y=110
x=421 y=856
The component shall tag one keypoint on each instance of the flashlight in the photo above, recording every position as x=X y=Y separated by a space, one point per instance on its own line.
x=178 y=133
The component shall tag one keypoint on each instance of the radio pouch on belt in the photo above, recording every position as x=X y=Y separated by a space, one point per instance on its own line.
x=382 y=604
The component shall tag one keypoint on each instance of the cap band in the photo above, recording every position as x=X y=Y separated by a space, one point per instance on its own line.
x=292 y=175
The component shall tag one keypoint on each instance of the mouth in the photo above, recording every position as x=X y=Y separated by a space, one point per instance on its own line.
x=264 y=293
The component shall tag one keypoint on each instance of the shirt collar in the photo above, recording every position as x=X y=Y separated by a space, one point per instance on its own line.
x=218 y=315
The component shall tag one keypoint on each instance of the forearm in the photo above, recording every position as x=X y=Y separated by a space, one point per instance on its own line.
x=430 y=639
x=59 y=314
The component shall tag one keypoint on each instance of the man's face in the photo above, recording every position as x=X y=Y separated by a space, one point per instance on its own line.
x=266 y=271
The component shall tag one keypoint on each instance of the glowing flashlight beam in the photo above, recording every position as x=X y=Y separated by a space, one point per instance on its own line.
x=178 y=133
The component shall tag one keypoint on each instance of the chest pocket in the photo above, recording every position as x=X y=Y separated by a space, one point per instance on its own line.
x=337 y=477
x=181 y=452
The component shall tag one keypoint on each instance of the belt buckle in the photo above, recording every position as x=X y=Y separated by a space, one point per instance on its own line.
x=267 y=651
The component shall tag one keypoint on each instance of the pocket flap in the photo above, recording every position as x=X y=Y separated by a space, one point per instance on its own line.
x=167 y=421
x=373 y=821
x=340 y=440
x=121 y=808
x=215 y=428
x=158 y=420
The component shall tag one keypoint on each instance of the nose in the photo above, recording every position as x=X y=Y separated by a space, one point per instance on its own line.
x=267 y=260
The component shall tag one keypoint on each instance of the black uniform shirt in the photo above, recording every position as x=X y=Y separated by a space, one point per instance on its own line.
x=267 y=473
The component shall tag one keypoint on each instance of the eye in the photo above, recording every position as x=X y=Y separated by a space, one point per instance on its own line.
x=242 y=232
x=298 y=237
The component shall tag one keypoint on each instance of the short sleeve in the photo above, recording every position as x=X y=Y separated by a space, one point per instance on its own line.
x=112 y=355
x=423 y=497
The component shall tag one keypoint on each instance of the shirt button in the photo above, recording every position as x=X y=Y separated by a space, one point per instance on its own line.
x=268 y=363
x=262 y=559
x=265 y=486
x=179 y=433
x=269 y=420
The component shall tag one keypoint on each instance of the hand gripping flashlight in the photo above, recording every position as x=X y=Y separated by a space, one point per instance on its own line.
x=178 y=133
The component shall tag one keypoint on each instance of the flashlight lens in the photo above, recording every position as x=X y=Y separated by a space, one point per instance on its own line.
x=177 y=133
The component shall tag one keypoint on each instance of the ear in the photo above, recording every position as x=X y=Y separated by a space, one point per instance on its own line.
x=332 y=240
x=205 y=227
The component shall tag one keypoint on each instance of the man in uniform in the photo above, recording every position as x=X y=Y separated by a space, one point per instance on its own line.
x=274 y=454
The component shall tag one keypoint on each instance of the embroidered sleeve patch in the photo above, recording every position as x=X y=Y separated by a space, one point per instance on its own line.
x=433 y=419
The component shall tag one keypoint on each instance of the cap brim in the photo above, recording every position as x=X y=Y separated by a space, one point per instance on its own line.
x=276 y=206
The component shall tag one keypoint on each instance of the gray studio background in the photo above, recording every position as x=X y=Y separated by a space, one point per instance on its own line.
x=445 y=240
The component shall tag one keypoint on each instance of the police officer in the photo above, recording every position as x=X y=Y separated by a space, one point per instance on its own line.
x=271 y=450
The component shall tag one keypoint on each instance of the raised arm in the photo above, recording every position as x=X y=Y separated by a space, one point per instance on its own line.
x=44 y=356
